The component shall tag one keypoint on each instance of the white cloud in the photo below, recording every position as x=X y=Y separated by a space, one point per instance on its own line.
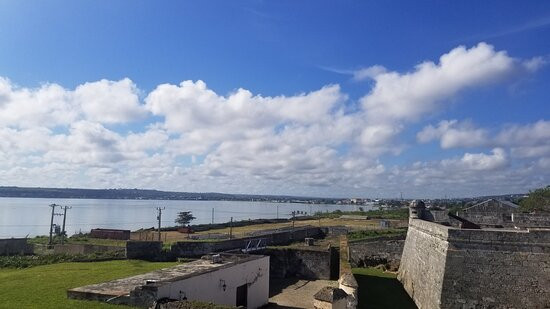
x=109 y=101
x=452 y=134
x=530 y=134
x=308 y=143
x=47 y=106
x=370 y=72
x=51 y=105
x=408 y=96
x=524 y=141
x=480 y=161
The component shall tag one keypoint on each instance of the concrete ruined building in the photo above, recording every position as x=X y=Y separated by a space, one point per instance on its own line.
x=225 y=279
x=444 y=266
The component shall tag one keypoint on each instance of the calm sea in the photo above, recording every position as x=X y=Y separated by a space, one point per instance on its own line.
x=20 y=217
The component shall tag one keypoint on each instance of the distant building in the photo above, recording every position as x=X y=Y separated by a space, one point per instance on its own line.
x=492 y=206
x=489 y=213
x=110 y=234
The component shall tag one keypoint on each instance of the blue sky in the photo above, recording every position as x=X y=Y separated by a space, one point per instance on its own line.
x=83 y=101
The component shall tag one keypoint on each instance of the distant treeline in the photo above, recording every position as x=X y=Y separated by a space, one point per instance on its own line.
x=141 y=194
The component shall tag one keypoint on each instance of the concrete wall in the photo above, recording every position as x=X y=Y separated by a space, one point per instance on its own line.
x=84 y=249
x=144 y=250
x=199 y=248
x=302 y=263
x=445 y=267
x=376 y=251
x=15 y=246
x=209 y=286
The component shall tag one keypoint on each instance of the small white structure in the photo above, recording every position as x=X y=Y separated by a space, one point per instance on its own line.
x=234 y=280
x=224 y=279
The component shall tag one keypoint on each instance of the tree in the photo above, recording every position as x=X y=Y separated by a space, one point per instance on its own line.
x=184 y=217
x=538 y=200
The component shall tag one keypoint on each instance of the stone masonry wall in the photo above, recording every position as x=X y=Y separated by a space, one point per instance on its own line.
x=143 y=250
x=423 y=263
x=84 y=249
x=497 y=269
x=531 y=220
x=445 y=267
x=376 y=251
x=199 y=248
x=487 y=218
x=299 y=263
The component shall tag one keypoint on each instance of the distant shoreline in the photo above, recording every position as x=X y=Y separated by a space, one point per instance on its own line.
x=143 y=194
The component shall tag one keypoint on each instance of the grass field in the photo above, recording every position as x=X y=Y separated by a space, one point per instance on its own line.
x=77 y=239
x=46 y=286
x=378 y=289
x=242 y=231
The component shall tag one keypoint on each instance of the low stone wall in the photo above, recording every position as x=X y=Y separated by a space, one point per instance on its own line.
x=376 y=251
x=144 y=250
x=531 y=220
x=446 y=267
x=84 y=249
x=302 y=263
x=200 y=248
x=15 y=246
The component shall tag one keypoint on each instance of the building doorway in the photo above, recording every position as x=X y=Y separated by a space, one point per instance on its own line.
x=242 y=295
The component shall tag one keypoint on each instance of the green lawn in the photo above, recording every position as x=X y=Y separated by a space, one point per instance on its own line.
x=78 y=239
x=46 y=286
x=378 y=289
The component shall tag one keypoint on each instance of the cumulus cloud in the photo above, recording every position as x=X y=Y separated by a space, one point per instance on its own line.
x=453 y=133
x=51 y=105
x=480 y=161
x=410 y=95
x=370 y=72
x=524 y=141
x=307 y=143
x=109 y=101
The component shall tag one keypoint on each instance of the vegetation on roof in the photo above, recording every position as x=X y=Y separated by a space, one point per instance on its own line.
x=370 y=234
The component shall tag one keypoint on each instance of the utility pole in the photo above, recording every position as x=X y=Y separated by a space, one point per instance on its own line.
x=50 y=242
x=212 y=215
x=293 y=216
x=64 y=219
x=159 y=217
x=231 y=228
x=277 y=211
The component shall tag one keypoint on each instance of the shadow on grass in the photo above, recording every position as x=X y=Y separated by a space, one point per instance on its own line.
x=378 y=289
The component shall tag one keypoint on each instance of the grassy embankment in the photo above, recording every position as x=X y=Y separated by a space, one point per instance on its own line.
x=379 y=289
x=78 y=239
x=46 y=286
x=368 y=234
x=320 y=219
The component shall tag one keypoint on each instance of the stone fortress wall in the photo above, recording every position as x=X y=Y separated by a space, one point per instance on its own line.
x=375 y=251
x=448 y=267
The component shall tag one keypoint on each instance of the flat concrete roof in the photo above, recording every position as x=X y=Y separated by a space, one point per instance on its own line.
x=122 y=287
